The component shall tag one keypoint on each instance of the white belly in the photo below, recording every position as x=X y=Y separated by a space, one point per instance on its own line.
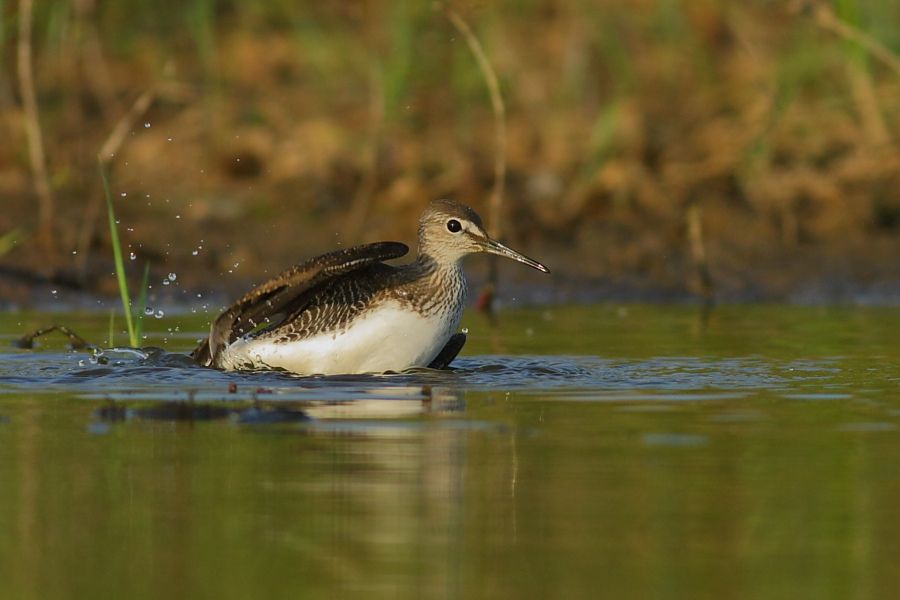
x=386 y=338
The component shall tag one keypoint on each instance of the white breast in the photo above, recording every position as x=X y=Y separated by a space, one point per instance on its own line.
x=388 y=337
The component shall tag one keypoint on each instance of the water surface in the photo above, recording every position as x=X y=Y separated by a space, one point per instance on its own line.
x=602 y=451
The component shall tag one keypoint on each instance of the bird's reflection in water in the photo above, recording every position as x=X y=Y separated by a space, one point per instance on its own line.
x=390 y=403
x=368 y=489
x=389 y=478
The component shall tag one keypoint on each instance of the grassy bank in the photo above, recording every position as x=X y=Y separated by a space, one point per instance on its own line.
x=700 y=146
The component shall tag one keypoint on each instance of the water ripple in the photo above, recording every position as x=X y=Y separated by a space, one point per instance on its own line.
x=155 y=373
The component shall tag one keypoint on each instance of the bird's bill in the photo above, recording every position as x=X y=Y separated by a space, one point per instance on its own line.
x=495 y=247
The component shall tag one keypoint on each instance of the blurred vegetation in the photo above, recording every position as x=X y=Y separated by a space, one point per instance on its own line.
x=702 y=146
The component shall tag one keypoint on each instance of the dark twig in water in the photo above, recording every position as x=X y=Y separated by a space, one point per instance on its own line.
x=495 y=209
x=77 y=342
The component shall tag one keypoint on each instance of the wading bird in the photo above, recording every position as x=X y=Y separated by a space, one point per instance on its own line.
x=349 y=312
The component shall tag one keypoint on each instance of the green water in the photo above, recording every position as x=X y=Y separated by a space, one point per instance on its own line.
x=615 y=452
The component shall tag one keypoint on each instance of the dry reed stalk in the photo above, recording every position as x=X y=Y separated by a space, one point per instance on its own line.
x=697 y=243
x=90 y=55
x=362 y=200
x=495 y=224
x=36 y=155
x=108 y=150
x=866 y=100
x=118 y=134
x=863 y=92
x=824 y=17
x=485 y=301
x=7 y=102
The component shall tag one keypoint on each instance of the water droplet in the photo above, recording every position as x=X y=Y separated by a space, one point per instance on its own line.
x=148 y=311
x=195 y=253
x=132 y=256
x=177 y=216
x=147 y=125
x=74 y=252
x=159 y=314
x=124 y=194
x=165 y=282
x=465 y=330
x=53 y=292
x=172 y=276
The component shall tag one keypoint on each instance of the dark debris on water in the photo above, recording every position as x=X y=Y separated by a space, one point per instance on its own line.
x=188 y=411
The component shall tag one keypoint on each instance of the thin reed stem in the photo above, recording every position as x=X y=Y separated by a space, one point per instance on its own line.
x=362 y=200
x=824 y=17
x=108 y=150
x=117 y=258
x=697 y=245
x=495 y=208
x=36 y=155
x=495 y=224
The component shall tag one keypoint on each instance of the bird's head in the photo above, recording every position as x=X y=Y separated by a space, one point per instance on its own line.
x=449 y=231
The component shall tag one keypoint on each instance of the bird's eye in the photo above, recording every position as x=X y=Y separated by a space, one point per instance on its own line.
x=454 y=226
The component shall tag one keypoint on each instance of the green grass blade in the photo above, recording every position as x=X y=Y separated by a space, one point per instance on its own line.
x=111 y=340
x=9 y=240
x=117 y=258
x=142 y=303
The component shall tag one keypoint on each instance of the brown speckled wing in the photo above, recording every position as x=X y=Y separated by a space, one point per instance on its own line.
x=271 y=302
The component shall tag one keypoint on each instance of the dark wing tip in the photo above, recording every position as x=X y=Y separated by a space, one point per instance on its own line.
x=348 y=258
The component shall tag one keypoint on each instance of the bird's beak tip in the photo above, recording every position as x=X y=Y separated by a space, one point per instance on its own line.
x=495 y=247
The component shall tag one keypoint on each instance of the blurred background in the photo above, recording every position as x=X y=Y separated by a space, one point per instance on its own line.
x=656 y=149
